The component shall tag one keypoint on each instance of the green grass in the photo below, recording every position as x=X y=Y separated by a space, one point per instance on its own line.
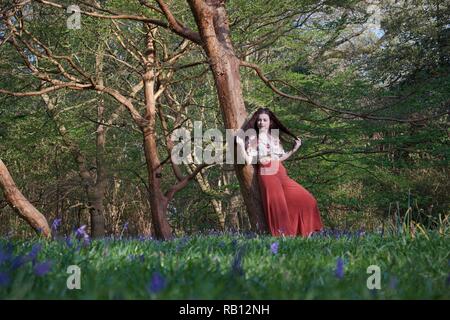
x=202 y=268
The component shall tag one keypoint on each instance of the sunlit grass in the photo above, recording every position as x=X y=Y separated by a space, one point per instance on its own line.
x=231 y=267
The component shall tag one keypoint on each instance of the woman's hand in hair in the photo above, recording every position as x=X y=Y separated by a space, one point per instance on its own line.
x=298 y=143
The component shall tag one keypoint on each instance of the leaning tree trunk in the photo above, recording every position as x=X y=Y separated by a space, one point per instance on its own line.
x=20 y=204
x=212 y=22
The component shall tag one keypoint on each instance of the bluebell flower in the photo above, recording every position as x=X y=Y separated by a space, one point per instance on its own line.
x=157 y=283
x=274 y=247
x=393 y=282
x=42 y=269
x=5 y=255
x=81 y=233
x=56 y=223
x=69 y=242
x=5 y=279
x=339 y=272
x=32 y=256
x=17 y=262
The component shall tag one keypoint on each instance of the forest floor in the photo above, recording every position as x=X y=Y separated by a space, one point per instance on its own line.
x=359 y=266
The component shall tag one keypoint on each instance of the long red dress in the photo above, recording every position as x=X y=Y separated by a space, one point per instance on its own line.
x=290 y=209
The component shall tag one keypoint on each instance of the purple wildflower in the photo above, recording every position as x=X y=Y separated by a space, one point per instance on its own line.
x=274 y=247
x=32 y=256
x=5 y=279
x=157 y=283
x=81 y=233
x=17 y=262
x=5 y=255
x=42 y=269
x=56 y=223
x=339 y=272
x=393 y=282
x=69 y=242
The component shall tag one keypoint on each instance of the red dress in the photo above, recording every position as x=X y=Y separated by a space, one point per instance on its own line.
x=290 y=209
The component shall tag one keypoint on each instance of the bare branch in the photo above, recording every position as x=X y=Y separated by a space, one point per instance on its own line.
x=71 y=85
x=114 y=16
x=183 y=183
x=177 y=26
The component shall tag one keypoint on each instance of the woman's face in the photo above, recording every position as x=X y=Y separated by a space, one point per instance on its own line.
x=263 y=122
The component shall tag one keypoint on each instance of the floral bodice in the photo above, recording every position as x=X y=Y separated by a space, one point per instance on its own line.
x=265 y=146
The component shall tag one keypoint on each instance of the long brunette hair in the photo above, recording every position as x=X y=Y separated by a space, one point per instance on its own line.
x=274 y=124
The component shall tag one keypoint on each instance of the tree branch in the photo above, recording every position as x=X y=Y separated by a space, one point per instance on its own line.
x=177 y=26
x=305 y=98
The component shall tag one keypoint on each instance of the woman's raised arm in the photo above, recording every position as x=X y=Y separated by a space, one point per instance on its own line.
x=285 y=156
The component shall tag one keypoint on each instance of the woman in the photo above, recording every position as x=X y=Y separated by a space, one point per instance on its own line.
x=289 y=208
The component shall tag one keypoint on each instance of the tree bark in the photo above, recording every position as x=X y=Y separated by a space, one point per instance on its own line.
x=212 y=23
x=96 y=193
x=158 y=201
x=233 y=205
x=21 y=205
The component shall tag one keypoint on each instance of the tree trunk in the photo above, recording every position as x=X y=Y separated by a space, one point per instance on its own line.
x=158 y=201
x=233 y=204
x=20 y=204
x=96 y=193
x=212 y=23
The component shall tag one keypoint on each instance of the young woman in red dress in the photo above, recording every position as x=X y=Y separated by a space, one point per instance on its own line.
x=290 y=209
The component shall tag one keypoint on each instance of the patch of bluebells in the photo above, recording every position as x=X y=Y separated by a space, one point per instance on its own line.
x=274 y=247
x=393 y=282
x=339 y=270
x=234 y=244
x=82 y=234
x=43 y=268
x=6 y=253
x=32 y=256
x=5 y=279
x=9 y=262
x=336 y=234
x=157 y=283
x=56 y=224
